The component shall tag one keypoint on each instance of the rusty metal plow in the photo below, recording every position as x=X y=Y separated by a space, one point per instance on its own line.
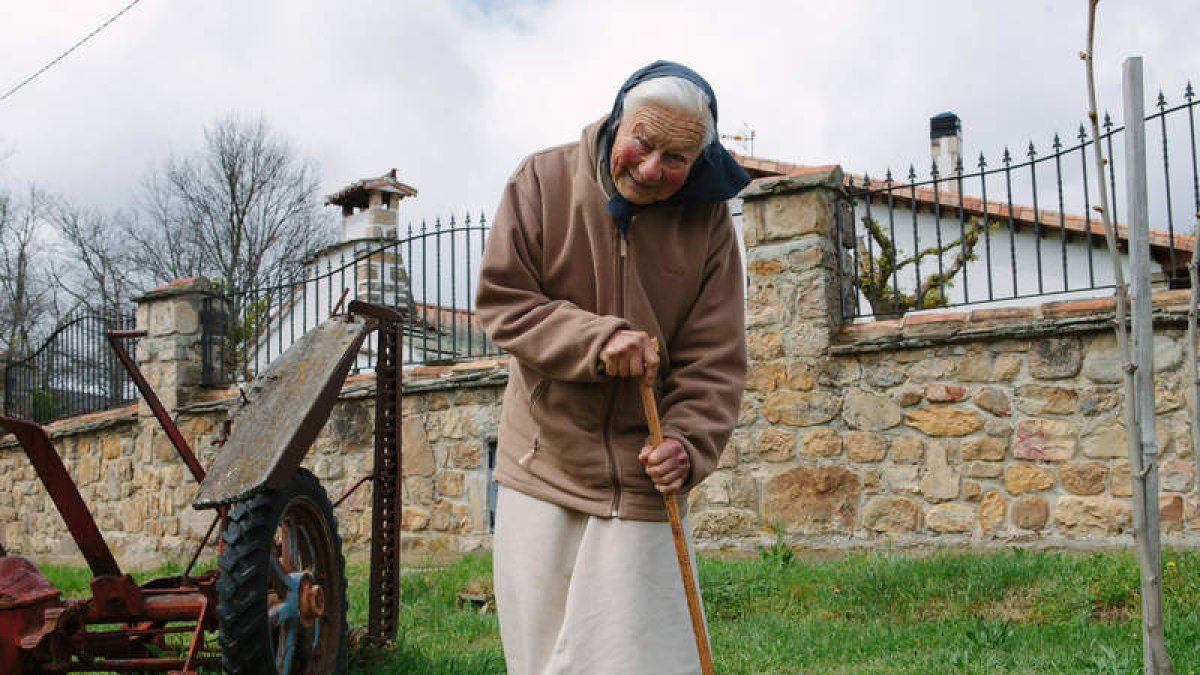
x=277 y=599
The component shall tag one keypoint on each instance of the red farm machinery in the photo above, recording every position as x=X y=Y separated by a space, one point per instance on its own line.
x=276 y=602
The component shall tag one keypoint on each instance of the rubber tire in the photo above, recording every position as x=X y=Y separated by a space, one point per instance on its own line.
x=245 y=633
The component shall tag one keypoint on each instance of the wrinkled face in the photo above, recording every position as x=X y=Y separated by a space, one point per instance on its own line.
x=653 y=152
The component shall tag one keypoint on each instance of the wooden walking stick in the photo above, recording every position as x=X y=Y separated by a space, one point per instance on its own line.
x=681 y=550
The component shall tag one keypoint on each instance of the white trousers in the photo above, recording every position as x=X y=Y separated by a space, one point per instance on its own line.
x=581 y=595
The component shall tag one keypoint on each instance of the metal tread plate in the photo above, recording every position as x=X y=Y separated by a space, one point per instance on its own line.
x=288 y=405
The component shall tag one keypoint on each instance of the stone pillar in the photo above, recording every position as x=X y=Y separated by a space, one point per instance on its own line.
x=791 y=241
x=170 y=354
x=792 y=312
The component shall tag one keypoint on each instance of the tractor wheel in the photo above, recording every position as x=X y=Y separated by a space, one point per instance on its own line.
x=281 y=590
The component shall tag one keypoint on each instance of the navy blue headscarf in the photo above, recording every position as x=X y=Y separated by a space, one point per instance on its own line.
x=715 y=176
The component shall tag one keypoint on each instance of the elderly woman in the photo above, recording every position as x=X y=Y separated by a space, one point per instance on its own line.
x=597 y=247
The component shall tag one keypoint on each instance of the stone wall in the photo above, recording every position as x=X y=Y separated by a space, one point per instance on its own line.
x=135 y=485
x=982 y=428
x=977 y=427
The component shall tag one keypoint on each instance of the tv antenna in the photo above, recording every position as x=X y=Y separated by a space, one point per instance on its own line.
x=744 y=139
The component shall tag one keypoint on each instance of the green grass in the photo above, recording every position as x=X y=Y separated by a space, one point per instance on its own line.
x=946 y=612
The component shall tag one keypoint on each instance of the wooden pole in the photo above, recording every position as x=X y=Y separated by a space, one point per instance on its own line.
x=1145 y=469
x=680 y=538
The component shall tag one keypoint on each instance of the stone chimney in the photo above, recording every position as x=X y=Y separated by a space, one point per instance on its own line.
x=945 y=144
x=369 y=207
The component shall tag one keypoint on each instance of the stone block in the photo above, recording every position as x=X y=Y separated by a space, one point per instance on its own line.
x=801 y=409
x=1091 y=515
x=942 y=420
x=1176 y=475
x=944 y=393
x=1036 y=399
x=1045 y=440
x=1095 y=401
x=1085 y=478
x=971 y=491
x=908 y=450
x=1167 y=354
x=940 y=482
x=1055 y=358
x=787 y=217
x=822 y=442
x=767 y=376
x=870 y=412
x=776 y=445
x=884 y=375
x=1102 y=363
x=806 y=338
x=110 y=446
x=1022 y=478
x=891 y=515
x=907 y=398
x=743 y=490
x=813 y=500
x=865 y=446
x=950 y=518
x=800 y=376
x=762 y=346
x=1030 y=512
x=450 y=484
x=1106 y=441
x=932 y=369
x=418 y=453
x=986 y=367
x=413 y=519
x=724 y=522
x=992 y=511
x=872 y=482
x=1170 y=513
x=419 y=490
x=985 y=448
x=902 y=479
x=985 y=470
x=466 y=455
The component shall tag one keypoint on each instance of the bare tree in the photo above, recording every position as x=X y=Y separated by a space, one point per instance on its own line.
x=877 y=270
x=243 y=209
x=25 y=293
x=93 y=270
x=1141 y=445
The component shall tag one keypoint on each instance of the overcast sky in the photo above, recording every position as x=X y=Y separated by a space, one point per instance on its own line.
x=454 y=93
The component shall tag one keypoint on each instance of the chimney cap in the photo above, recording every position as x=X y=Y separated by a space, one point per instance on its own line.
x=944 y=124
x=356 y=194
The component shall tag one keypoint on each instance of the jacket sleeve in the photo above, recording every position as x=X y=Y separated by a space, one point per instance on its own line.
x=554 y=337
x=702 y=392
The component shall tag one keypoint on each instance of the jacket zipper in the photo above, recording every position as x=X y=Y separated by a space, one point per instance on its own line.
x=622 y=247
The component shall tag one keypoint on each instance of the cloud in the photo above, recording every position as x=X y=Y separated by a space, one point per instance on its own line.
x=454 y=94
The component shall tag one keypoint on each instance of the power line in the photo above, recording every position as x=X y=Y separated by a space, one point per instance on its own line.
x=62 y=56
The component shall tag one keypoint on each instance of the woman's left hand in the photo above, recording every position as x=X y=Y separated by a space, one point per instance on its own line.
x=667 y=465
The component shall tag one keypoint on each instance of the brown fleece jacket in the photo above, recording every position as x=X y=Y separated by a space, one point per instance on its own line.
x=554 y=286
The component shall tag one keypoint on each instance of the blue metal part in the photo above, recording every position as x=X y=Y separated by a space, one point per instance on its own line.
x=287 y=620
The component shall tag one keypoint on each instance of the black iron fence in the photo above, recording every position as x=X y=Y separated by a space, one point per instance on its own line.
x=1015 y=229
x=428 y=275
x=74 y=372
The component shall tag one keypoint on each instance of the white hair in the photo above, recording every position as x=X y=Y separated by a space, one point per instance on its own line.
x=675 y=93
